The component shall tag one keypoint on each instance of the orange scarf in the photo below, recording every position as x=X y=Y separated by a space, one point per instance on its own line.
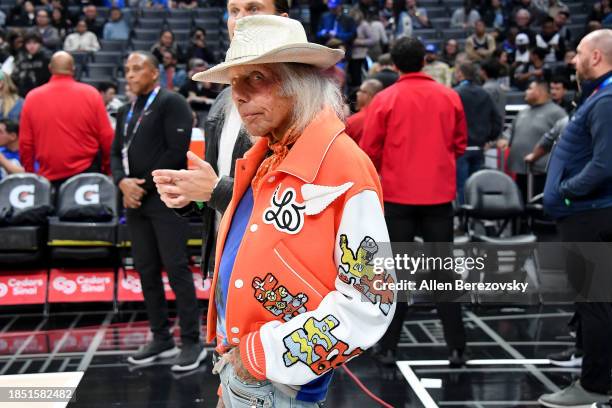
x=280 y=149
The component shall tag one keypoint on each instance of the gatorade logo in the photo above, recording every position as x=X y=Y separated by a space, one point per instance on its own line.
x=66 y=286
x=22 y=196
x=87 y=194
x=3 y=290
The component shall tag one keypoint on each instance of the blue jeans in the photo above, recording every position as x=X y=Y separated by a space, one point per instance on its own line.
x=468 y=164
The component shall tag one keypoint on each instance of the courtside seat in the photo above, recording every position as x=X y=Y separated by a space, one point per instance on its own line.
x=25 y=203
x=86 y=223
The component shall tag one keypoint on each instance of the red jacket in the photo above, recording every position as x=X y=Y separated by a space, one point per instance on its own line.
x=354 y=124
x=414 y=131
x=63 y=126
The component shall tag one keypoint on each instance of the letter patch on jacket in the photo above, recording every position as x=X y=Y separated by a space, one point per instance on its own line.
x=360 y=274
x=285 y=213
x=316 y=346
x=277 y=299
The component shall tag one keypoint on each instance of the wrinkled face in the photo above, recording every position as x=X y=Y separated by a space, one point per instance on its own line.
x=557 y=91
x=166 y=39
x=42 y=18
x=256 y=92
x=81 y=27
x=140 y=74
x=32 y=47
x=240 y=8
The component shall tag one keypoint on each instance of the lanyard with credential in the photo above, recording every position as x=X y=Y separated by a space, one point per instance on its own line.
x=127 y=141
x=603 y=85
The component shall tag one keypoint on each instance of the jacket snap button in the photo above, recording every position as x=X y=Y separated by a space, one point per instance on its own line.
x=254 y=227
x=271 y=179
x=236 y=340
x=235 y=330
x=238 y=283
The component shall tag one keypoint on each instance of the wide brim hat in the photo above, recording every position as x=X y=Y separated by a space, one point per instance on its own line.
x=267 y=39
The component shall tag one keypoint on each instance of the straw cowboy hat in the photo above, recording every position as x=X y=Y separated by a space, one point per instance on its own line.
x=265 y=39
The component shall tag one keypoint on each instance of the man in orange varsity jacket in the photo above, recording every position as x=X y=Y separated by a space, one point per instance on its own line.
x=296 y=291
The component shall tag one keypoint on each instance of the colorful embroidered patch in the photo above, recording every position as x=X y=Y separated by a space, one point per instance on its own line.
x=316 y=346
x=359 y=272
x=277 y=299
x=285 y=213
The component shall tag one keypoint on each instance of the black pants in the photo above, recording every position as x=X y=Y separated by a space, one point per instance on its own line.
x=595 y=318
x=159 y=237
x=435 y=224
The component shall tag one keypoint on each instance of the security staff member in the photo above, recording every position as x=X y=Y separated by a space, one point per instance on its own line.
x=153 y=132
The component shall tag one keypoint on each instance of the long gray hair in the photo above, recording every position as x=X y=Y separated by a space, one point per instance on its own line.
x=311 y=90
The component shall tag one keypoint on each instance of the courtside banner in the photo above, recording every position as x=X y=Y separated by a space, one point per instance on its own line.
x=10 y=343
x=23 y=287
x=130 y=290
x=81 y=285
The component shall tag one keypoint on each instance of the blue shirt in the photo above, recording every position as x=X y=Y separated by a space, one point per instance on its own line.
x=11 y=156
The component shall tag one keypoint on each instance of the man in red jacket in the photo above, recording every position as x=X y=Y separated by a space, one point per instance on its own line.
x=413 y=132
x=64 y=126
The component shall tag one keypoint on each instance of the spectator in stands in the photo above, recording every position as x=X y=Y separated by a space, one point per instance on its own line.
x=484 y=123
x=49 y=35
x=90 y=12
x=438 y=70
x=551 y=40
x=9 y=148
x=198 y=49
x=338 y=71
x=10 y=101
x=568 y=70
x=480 y=45
x=466 y=16
x=522 y=54
x=600 y=10
x=65 y=138
x=387 y=17
x=60 y=22
x=559 y=95
x=154 y=132
x=535 y=69
x=490 y=72
x=387 y=74
x=166 y=43
x=494 y=15
x=381 y=39
x=81 y=39
x=501 y=57
x=108 y=91
x=535 y=13
x=561 y=23
x=31 y=66
x=450 y=52
x=366 y=92
x=578 y=195
x=528 y=128
x=555 y=7
x=200 y=95
x=413 y=133
x=116 y=28
x=522 y=20
x=412 y=18
x=184 y=4
x=361 y=45
x=157 y=4
x=23 y=14
x=15 y=43
x=335 y=24
x=170 y=76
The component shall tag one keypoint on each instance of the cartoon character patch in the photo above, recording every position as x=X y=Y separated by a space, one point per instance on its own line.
x=315 y=345
x=359 y=272
x=285 y=213
x=277 y=299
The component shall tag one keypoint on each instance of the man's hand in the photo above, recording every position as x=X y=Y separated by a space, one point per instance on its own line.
x=239 y=369
x=502 y=143
x=132 y=192
x=178 y=188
